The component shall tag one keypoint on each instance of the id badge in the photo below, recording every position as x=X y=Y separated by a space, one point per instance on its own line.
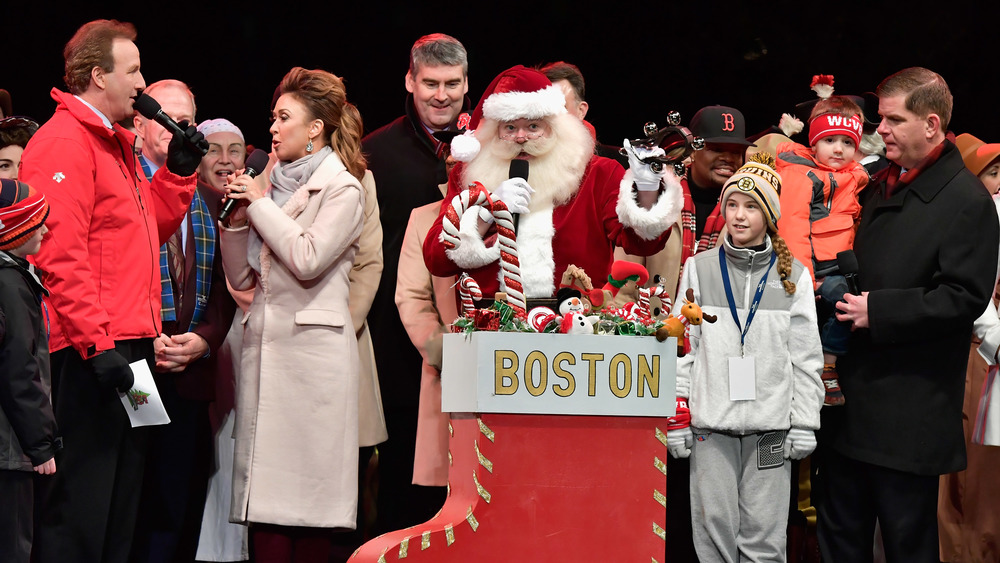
x=742 y=379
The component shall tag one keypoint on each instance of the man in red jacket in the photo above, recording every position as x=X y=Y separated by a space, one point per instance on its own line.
x=103 y=264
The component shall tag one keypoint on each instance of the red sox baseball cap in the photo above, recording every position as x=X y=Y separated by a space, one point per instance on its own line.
x=720 y=124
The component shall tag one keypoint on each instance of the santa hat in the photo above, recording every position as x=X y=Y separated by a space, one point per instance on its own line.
x=22 y=211
x=757 y=179
x=517 y=93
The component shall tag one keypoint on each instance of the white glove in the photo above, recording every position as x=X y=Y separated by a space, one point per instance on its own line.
x=646 y=180
x=799 y=443
x=679 y=442
x=516 y=193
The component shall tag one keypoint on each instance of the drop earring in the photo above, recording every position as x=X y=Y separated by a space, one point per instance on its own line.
x=309 y=146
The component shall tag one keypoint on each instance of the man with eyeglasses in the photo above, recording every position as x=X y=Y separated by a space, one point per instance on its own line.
x=14 y=135
x=197 y=310
x=574 y=206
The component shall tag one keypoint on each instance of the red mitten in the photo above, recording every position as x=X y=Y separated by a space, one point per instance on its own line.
x=683 y=417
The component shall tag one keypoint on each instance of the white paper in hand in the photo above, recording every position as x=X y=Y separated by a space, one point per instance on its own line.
x=142 y=402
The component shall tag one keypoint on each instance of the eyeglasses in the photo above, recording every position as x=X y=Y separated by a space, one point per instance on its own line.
x=513 y=132
x=17 y=121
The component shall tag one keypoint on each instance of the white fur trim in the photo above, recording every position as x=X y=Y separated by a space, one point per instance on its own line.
x=534 y=249
x=525 y=105
x=824 y=91
x=651 y=223
x=465 y=147
x=471 y=253
x=790 y=125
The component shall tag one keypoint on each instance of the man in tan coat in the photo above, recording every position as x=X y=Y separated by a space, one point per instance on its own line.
x=427 y=305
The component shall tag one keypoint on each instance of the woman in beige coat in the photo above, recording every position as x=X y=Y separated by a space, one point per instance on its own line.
x=296 y=460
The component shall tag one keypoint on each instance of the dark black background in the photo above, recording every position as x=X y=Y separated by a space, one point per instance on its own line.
x=640 y=59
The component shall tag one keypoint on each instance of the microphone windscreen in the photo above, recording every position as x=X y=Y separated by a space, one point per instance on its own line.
x=847 y=261
x=257 y=162
x=519 y=169
x=146 y=106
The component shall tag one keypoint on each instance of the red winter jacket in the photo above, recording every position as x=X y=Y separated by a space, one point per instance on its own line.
x=106 y=224
x=817 y=221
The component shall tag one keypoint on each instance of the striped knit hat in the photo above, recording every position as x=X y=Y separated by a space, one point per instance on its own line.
x=22 y=211
x=757 y=179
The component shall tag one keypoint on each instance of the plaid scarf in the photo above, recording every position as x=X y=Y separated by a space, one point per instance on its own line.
x=691 y=244
x=204 y=244
x=894 y=181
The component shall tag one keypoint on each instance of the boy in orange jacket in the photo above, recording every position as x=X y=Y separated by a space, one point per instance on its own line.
x=820 y=204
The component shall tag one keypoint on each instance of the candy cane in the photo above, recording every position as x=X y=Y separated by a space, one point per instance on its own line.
x=645 y=294
x=509 y=263
x=469 y=290
x=507 y=239
x=451 y=222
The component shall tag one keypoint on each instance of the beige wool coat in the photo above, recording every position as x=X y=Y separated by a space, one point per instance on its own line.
x=296 y=430
x=365 y=276
x=427 y=306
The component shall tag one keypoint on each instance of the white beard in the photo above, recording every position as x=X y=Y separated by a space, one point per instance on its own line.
x=556 y=170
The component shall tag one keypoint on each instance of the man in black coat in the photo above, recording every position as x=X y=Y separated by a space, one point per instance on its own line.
x=408 y=163
x=927 y=250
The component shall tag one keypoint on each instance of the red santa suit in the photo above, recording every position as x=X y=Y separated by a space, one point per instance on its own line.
x=583 y=206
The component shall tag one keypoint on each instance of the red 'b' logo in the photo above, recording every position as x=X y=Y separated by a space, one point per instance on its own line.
x=728 y=122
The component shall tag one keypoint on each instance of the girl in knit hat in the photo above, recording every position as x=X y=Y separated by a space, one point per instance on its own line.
x=749 y=393
x=27 y=427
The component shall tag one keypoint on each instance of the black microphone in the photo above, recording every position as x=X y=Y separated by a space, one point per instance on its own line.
x=518 y=169
x=255 y=165
x=150 y=109
x=847 y=261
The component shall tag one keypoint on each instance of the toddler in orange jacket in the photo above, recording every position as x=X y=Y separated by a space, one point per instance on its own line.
x=819 y=199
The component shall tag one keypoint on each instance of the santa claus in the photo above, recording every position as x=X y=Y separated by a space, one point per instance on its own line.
x=575 y=207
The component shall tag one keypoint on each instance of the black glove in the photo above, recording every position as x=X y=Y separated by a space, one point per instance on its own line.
x=112 y=371
x=184 y=152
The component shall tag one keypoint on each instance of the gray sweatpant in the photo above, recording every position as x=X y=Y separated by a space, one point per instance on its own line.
x=740 y=488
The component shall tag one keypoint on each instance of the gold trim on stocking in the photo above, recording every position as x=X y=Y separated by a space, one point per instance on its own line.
x=449 y=534
x=473 y=523
x=425 y=540
x=659 y=464
x=404 y=546
x=660 y=532
x=485 y=430
x=661 y=436
x=660 y=498
x=482 y=492
x=482 y=459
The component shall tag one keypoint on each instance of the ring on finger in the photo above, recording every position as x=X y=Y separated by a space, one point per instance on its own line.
x=243 y=188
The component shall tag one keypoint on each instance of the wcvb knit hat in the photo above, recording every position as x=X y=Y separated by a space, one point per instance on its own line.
x=828 y=124
x=22 y=211
x=757 y=179
x=517 y=93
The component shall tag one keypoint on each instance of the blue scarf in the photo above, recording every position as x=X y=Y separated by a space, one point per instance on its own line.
x=204 y=245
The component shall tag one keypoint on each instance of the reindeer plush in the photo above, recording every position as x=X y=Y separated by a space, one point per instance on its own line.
x=679 y=326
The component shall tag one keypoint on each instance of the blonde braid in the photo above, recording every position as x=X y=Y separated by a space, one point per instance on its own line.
x=784 y=262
